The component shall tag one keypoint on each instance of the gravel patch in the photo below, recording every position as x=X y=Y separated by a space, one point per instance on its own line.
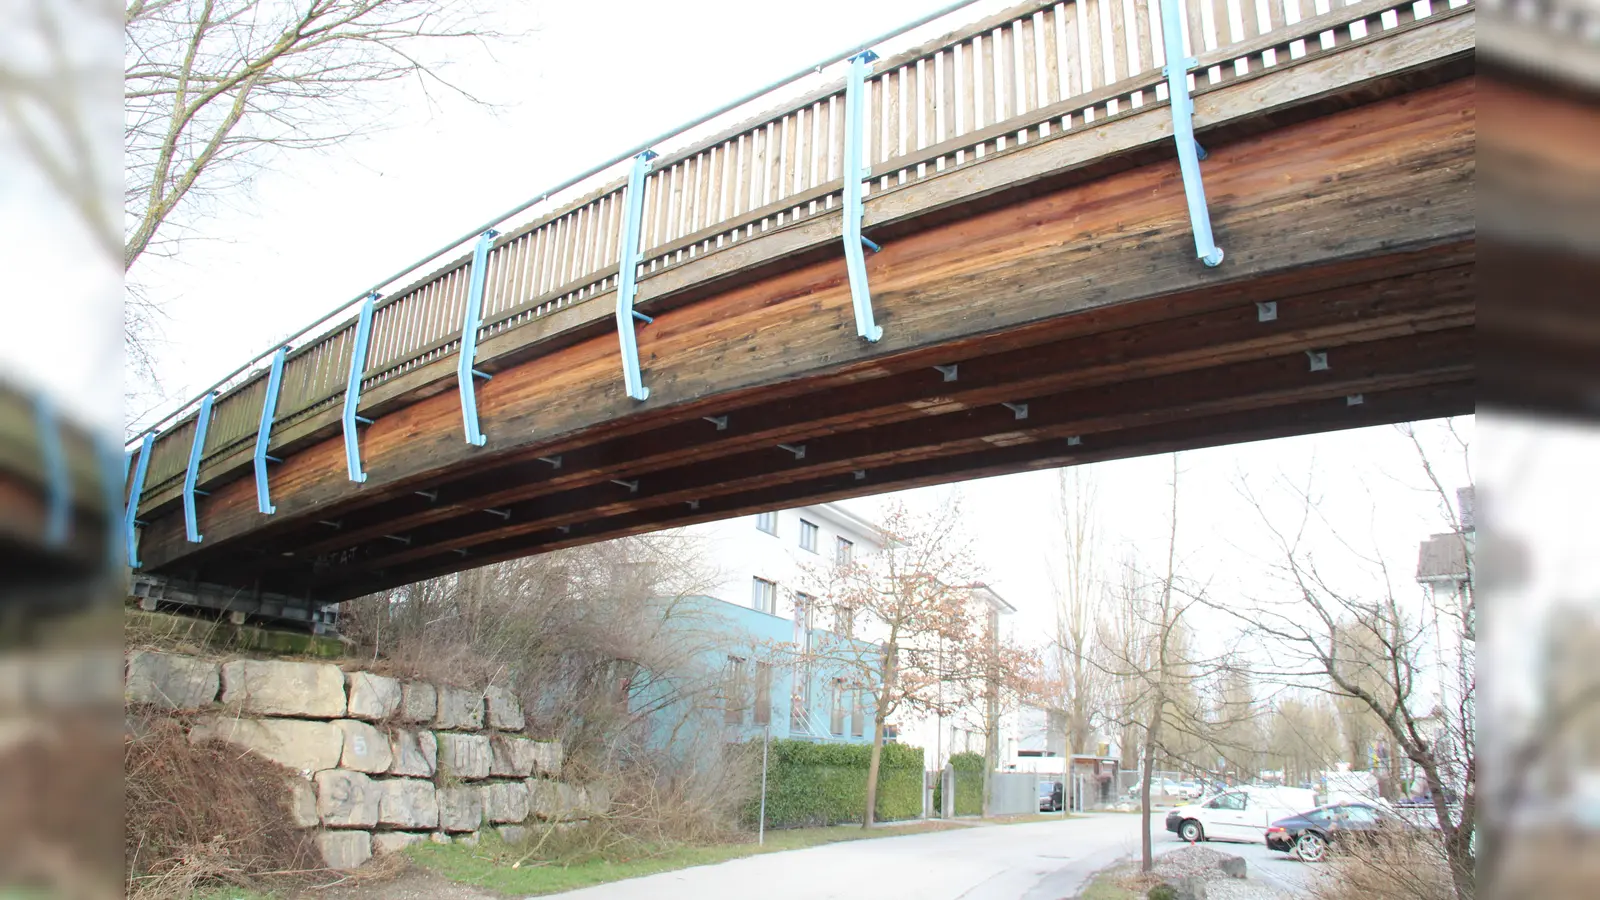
x=1202 y=862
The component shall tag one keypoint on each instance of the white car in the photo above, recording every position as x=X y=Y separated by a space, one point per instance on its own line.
x=1240 y=814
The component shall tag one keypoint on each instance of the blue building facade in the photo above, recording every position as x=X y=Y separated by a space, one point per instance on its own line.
x=752 y=671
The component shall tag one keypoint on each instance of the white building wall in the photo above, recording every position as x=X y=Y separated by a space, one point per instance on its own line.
x=741 y=552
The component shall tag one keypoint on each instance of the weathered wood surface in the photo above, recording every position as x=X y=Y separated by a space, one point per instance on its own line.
x=1361 y=227
x=764 y=178
x=26 y=557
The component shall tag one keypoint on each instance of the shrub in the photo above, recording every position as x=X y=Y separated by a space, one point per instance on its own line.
x=1398 y=866
x=204 y=815
x=969 y=783
x=826 y=784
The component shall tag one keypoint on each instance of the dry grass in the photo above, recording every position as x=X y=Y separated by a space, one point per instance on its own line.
x=59 y=827
x=1400 y=866
x=206 y=815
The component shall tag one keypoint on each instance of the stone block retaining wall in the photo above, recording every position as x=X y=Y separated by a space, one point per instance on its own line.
x=382 y=763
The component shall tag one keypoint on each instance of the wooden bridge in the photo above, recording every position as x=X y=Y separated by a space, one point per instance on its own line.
x=690 y=338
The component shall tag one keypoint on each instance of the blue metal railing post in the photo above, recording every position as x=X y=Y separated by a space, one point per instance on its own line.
x=352 y=392
x=628 y=276
x=269 y=408
x=58 y=482
x=855 y=170
x=130 y=515
x=469 y=340
x=202 y=423
x=1177 y=71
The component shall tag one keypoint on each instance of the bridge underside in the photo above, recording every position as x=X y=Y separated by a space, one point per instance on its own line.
x=1077 y=321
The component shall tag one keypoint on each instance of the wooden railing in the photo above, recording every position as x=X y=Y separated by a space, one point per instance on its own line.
x=1022 y=75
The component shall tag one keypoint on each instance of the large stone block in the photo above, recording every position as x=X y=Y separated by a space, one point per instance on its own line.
x=395 y=841
x=513 y=757
x=308 y=747
x=554 y=801
x=505 y=801
x=345 y=849
x=460 y=808
x=459 y=710
x=419 y=702
x=171 y=680
x=347 y=799
x=505 y=710
x=274 y=688
x=366 y=749
x=372 y=697
x=303 y=803
x=407 y=803
x=513 y=834
x=547 y=758
x=415 y=753
x=464 y=755
x=596 y=800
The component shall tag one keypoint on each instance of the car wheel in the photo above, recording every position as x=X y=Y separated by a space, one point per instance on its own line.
x=1311 y=847
x=1191 y=831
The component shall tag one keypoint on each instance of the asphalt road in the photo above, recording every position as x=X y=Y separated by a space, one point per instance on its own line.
x=1040 y=861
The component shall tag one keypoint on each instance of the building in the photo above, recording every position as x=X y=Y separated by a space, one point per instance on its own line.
x=962 y=727
x=757 y=626
x=1037 y=743
x=1446 y=573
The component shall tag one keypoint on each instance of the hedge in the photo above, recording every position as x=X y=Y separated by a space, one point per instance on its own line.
x=969 y=785
x=826 y=784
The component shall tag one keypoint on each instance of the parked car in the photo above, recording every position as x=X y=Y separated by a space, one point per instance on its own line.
x=1050 y=796
x=1190 y=790
x=1239 y=814
x=1311 y=834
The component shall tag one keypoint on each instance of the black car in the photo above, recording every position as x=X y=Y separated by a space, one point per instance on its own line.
x=1310 y=835
x=1049 y=796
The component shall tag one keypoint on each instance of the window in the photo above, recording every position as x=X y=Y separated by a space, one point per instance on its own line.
x=768 y=522
x=763 y=693
x=844 y=552
x=734 y=692
x=803 y=621
x=1360 y=815
x=763 y=595
x=808 y=536
x=844 y=621
x=857 y=719
x=836 y=708
x=1234 y=802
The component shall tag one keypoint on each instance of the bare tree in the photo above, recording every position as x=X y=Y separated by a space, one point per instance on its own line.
x=1302 y=736
x=930 y=648
x=1365 y=646
x=1075 y=686
x=218 y=90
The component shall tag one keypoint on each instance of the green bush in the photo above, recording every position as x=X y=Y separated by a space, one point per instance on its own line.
x=1162 y=892
x=969 y=783
x=826 y=784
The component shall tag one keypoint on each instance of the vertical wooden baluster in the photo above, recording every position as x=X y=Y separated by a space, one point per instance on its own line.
x=757 y=168
x=1196 y=45
x=1052 y=57
x=1030 y=66
x=1145 y=35
x=786 y=170
x=893 y=83
x=1117 y=32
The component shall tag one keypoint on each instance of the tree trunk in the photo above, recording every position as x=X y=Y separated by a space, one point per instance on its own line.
x=870 y=815
x=1151 y=736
